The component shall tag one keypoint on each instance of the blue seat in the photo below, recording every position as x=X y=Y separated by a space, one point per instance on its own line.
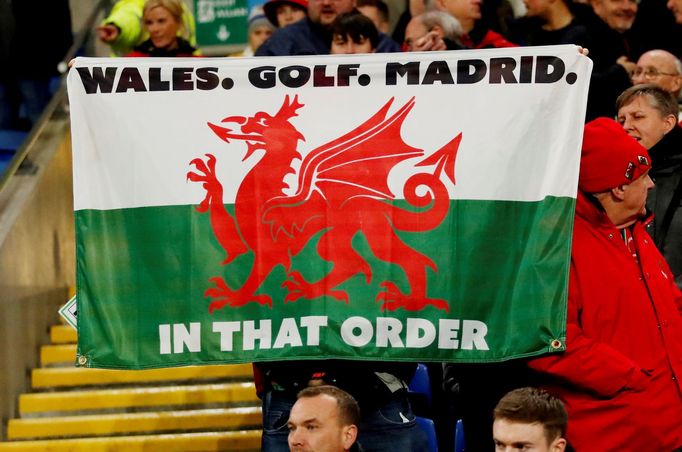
x=421 y=383
x=460 y=442
x=429 y=428
x=11 y=140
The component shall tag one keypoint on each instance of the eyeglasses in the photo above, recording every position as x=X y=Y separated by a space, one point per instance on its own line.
x=650 y=72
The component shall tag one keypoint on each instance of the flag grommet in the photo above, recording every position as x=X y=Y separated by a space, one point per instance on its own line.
x=556 y=343
x=82 y=360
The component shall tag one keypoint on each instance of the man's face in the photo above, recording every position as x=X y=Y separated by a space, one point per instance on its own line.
x=643 y=122
x=618 y=14
x=415 y=29
x=658 y=67
x=324 y=12
x=634 y=197
x=463 y=10
x=516 y=437
x=676 y=7
x=314 y=426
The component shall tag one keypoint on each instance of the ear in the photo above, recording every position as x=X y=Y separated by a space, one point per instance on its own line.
x=349 y=435
x=670 y=123
x=558 y=445
x=440 y=5
x=619 y=192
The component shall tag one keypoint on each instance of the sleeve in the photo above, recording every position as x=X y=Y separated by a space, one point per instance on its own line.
x=588 y=363
x=126 y=15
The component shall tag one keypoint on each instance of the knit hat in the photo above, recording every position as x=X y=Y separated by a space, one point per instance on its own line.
x=259 y=20
x=270 y=8
x=610 y=157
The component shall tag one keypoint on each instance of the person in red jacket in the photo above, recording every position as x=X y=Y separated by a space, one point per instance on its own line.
x=620 y=374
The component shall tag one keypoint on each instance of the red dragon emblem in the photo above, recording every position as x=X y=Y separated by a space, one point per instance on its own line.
x=342 y=191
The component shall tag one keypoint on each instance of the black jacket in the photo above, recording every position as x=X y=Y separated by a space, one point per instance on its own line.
x=665 y=202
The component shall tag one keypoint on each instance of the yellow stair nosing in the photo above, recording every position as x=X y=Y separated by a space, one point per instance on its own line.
x=210 y=441
x=127 y=423
x=136 y=397
x=65 y=377
x=63 y=334
x=57 y=354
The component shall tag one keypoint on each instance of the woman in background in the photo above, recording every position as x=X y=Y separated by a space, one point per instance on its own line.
x=162 y=19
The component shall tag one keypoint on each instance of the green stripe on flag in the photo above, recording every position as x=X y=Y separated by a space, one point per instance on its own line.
x=142 y=273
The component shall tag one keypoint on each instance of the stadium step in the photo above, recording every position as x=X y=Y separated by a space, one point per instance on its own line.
x=176 y=409
x=138 y=397
x=208 y=441
x=62 y=354
x=127 y=423
x=63 y=334
x=74 y=377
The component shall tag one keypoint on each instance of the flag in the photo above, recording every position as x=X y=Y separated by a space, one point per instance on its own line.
x=369 y=207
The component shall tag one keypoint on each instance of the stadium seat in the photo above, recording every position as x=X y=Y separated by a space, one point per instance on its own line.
x=460 y=442
x=421 y=383
x=429 y=429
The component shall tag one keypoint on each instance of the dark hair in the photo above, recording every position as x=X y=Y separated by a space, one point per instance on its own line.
x=349 y=411
x=380 y=5
x=658 y=98
x=357 y=26
x=531 y=405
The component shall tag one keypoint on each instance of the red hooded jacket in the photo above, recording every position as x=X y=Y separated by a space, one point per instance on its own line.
x=620 y=374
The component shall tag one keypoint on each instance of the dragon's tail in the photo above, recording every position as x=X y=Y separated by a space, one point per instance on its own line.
x=434 y=203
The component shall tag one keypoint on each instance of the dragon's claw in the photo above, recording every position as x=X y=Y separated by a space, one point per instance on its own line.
x=393 y=298
x=222 y=296
x=297 y=288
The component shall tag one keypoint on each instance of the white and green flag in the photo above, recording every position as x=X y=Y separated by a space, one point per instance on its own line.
x=412 y=206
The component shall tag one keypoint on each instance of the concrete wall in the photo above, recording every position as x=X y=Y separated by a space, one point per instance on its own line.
x=37 y=259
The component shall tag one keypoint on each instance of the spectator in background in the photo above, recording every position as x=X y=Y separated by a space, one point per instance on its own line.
x=312 y=36
x=661 y=68
x=123 y=30
x=619 y=374
x=162 y=20
x=475 y=34
x=377 y=10
x=613 y=49
x=648 y=113
x=324 y=418
x=34 y=37
x=430 y=27
x=676 y=7
x=551 y=22
x=353 y=33
x=285 y=12
x=529 y=419
x=260 y=29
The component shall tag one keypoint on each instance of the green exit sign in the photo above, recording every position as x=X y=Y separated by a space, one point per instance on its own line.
x=221 y=22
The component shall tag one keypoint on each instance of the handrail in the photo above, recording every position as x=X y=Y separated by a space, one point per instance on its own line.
x=56 y=101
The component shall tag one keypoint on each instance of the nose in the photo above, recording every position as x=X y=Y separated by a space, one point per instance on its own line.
x=296 y=437
x=649 y=182
x=628 y=125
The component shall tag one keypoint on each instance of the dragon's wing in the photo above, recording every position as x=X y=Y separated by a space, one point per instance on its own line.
x=358 y=163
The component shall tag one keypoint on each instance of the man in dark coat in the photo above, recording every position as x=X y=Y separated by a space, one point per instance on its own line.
x=312 y=35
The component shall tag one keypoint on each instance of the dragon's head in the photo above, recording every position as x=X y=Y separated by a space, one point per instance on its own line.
x=263 y=131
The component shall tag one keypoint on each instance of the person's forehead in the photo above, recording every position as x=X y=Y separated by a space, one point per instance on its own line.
x=641 y=102
x=507 y=430
x=657 y=60
x=321 y=407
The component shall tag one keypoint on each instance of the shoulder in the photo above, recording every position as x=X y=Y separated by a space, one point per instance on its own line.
x=387 y=44
x=295 y=39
